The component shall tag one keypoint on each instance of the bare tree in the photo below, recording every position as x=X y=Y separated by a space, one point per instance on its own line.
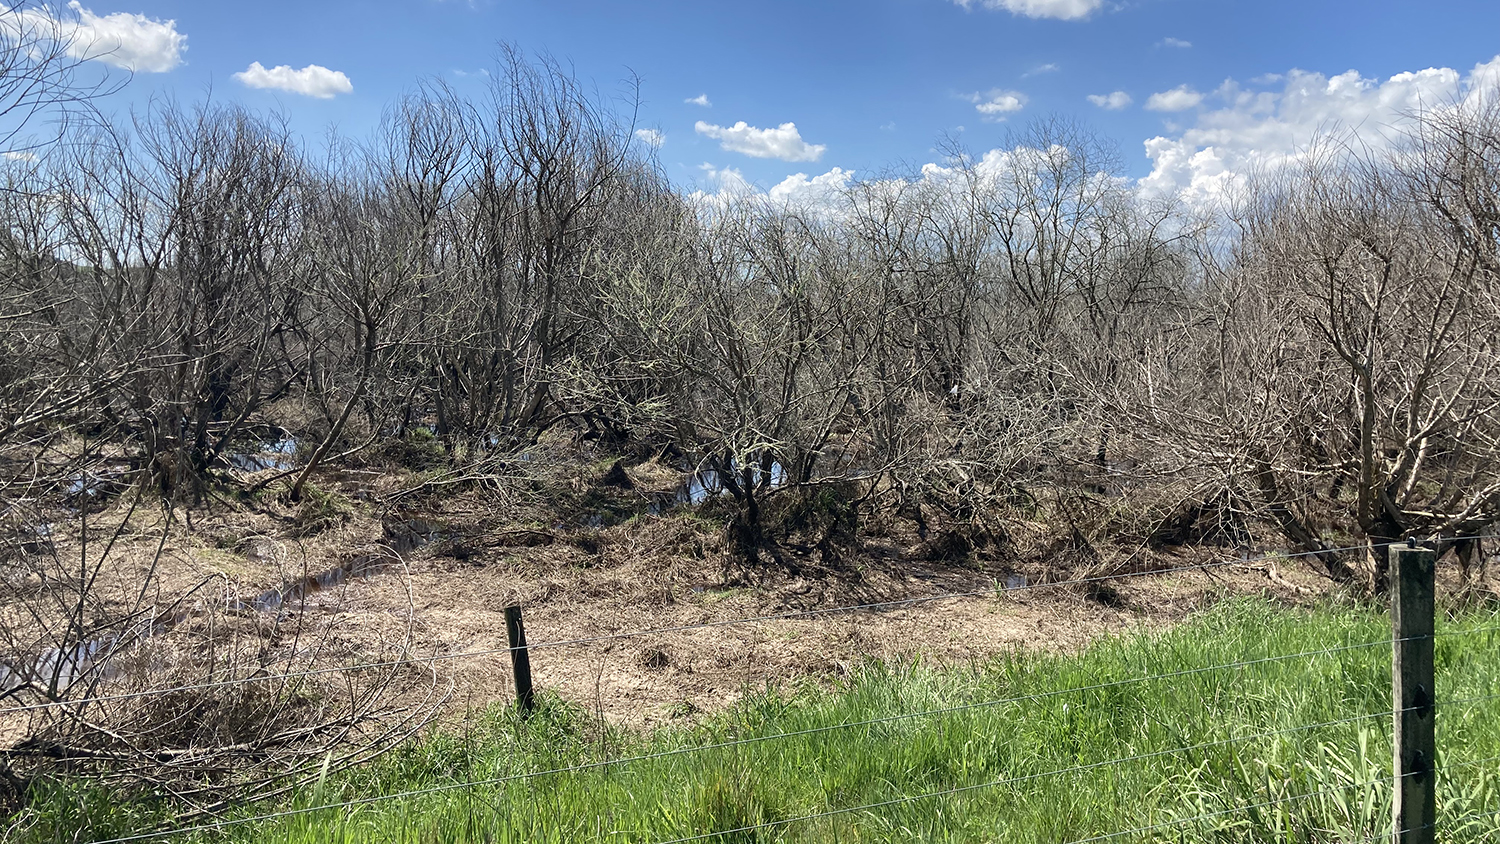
x=46 y=74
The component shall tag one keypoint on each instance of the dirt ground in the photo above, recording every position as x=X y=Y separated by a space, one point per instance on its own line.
x=430 y=581
x=653 y=674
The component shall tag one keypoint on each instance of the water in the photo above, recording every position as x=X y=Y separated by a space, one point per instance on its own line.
x=701 y=486
x=704 y=484
x=64 y=666
x=277 y=597
x=90 y=660
x=95 y=483
x=37 y=539
x=278 y=456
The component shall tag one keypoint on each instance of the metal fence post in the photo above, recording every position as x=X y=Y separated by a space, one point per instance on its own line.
x=1415 y=739
x=520 y=659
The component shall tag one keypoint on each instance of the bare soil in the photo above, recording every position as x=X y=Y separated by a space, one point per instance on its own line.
x=587 y=560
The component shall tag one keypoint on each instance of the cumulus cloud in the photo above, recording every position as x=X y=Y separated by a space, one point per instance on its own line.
x=823 y=191
x=720 y=186
x=1066 y=10
x=997 y=104
x=821 y=194
x=1111 y=102
x=827 y=194
x=1180 y=98
x=134 y=42
x=311 y=81
x=1174 y=42
x=783 y=142
x=700 y=100
x=1257 y=130
x=651 y=138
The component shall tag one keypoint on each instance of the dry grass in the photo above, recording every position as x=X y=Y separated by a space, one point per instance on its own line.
x=587 y=559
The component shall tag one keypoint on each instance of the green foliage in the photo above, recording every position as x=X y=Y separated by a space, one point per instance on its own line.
x=63 y=811
x=320 y=510
x=419 y=450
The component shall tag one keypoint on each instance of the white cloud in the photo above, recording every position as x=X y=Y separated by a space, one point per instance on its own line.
x=1066 y=10
x=133 y=42
x=700 y=100
x=651 y=138
x=997 y=104
x=1049 y=67
x=822 y=194
x=1174 y=42
x=720 y=187
x=1112 y=101
x=311 y=81
x=1263 y=130
x=827 y=194
x=18 y=155
x=1180 y=98
x=823 y=191
x=783 y=142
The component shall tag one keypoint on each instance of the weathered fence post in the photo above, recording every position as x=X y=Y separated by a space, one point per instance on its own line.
x=520 y=659
x=1415 y=745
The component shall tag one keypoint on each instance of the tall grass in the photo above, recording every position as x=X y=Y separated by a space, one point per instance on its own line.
x=1077 y=750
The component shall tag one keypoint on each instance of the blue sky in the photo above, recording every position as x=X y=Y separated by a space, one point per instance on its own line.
x=1200 y=87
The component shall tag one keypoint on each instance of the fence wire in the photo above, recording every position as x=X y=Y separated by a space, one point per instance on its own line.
x=630 y=760
x=1387 y=835
x=626 y=761
x=1014 y=780
x=909 y=799
x=795 y=614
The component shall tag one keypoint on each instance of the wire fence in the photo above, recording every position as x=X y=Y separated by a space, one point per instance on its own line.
x=427 y=661
x=627 y=762
x=623 y=762
x=630 y=760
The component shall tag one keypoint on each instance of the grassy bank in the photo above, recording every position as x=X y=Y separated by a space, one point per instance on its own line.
x=1305 y=740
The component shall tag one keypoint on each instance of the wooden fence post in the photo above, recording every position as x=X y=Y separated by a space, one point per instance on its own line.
x=1415 y=744
x=520 y=659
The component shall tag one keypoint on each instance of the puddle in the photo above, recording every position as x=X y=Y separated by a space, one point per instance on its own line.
x=37 y=539
x=272 y=455
x=61 y=667
x=276 y=598
x=404 y=537
x=89 y=661
x=56 y=667
x=704 y=484
x=92 y=484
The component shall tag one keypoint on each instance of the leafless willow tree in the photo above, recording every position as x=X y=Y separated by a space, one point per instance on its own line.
x=47 y=75
x=1346 y=340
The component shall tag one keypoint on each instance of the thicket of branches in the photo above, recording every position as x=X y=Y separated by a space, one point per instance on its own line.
x=1316 y=357
x=508 y=264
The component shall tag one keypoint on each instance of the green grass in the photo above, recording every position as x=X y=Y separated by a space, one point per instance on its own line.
x=1288 y=737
